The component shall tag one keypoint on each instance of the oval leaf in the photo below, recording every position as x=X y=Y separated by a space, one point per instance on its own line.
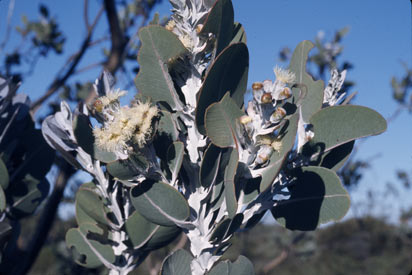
x=93 y=253
x=177 y=263
x=159 y=47
x=160 y=203
x=221 y=122
x=336 y=125
x=220 y=22
x=314 y=93
x=174 y=157
x=228 y=72
x=139 y=229
x=4 y=175
x=317 y=198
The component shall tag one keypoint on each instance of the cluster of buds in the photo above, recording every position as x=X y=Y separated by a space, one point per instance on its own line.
x=123 y=127
x=265 y=115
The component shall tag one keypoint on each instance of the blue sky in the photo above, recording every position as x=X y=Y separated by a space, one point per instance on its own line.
x=379 y=39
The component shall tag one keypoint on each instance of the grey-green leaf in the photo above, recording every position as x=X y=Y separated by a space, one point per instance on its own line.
x=175 y=155
x=336 y=125
x=89 y=206
x=242 y=266
x=4 y=175
x=2 y=200
x=229 y=182
x=160 y=203
x=159 y=49
x=94 y=252
x=314 y=89
x=239 y=34
x=316 y=198
x=220 y=22
x=229 y=72
x=139 y=229
x=177 y=263
x=221 y=122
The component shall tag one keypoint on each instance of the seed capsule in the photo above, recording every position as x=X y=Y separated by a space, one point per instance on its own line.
x=266 y=98
x=98 y=105
x=245 y=119
x=257 y=86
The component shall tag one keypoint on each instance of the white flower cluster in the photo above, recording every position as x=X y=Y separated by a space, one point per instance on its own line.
x=124 y=126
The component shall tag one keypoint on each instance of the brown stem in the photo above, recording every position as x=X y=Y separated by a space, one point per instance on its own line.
x=117 y=38
x=59 y=81
x=275 y=262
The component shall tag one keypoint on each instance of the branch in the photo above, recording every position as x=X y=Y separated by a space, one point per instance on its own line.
x=45 y=222
x=60 y=81
x=118 y=40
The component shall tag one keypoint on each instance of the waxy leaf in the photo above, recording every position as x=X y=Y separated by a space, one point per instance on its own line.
x=175 y=155
x=242 y=266
x=160 y=203
x=210 y=165
x=139 y=229
x=162 y=236
x=228 y=72
x=177 y=263
x=129 y=168
x=220 y=22
x=2 y=200
x=221 y=122
x=4 y=175
x=335 y=158
x=94 y=253
x=229 y=181
x=316 y=198
x=239 y=34
x=166 y=134
x=354 y=122
x=89 y=207
x=314 y=89
x=159 y=48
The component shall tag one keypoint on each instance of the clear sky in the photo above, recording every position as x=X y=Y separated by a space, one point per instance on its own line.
x=379 y=39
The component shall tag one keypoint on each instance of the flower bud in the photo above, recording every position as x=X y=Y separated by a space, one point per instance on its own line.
x=98 y=105
x=257 y=86
x=286 y=93
x=278 y=114
x=170 y=25
x=245 y=119
x=199 y=28
x=266 y=98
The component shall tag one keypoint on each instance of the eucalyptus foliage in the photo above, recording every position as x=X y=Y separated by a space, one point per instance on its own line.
x=188 y=156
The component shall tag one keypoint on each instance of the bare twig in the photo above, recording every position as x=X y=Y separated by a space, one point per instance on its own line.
x=86 y=14
x=60 y=81
x=8 y=27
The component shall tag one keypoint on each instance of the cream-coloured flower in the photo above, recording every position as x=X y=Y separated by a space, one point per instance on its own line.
x=112 y=97
x=187 y=41
x=284 y=76
x=170 y=25
x=130 y=125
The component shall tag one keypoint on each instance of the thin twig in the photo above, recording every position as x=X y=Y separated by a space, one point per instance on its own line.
x=86 y=14
x=60 y=81
x=8 y=27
